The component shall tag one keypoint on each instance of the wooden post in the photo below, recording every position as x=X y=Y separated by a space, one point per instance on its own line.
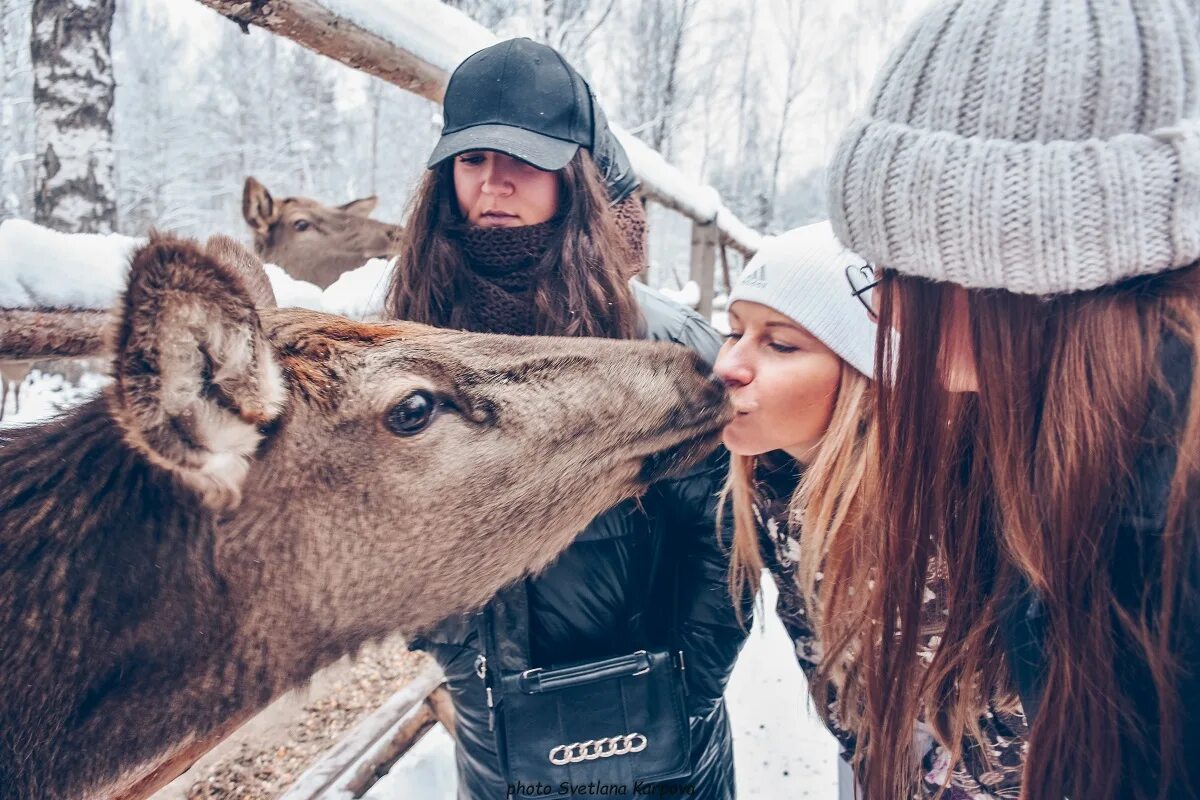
x=704 y=263
x=726 y=280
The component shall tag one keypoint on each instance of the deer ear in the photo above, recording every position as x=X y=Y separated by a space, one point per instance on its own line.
x=195 y=377
x=246 y=265
x=361 y=207
x=258 y=208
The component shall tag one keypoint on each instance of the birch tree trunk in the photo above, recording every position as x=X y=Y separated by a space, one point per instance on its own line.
x=6 y=124
x=73 y=99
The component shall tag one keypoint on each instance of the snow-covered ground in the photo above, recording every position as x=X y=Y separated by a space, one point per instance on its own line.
x=781 y=749
x=44 y=396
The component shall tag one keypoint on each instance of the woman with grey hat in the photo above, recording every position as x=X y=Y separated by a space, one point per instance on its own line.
x=799 y=364
x=1027 y=172
x=604 y=674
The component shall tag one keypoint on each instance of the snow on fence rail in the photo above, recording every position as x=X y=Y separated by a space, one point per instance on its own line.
x=57 y=289
x=45 y=271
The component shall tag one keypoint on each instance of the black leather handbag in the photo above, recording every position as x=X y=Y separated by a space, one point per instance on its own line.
x=609 y=722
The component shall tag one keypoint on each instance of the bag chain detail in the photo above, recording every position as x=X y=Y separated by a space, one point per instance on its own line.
x=598 y=748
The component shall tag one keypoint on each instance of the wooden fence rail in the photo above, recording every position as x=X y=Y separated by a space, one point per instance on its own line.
x=366 y=752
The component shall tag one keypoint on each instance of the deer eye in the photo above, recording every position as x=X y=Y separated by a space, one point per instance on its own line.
x=301 y=225
x=412 y=414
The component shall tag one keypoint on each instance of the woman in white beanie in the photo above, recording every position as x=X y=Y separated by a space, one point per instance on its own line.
x=798 y=364
x=1028 y=173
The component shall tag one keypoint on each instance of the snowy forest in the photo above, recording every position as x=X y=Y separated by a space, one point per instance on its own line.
x=745 y=96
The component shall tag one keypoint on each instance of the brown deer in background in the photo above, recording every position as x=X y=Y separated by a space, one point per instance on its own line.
x=263 y=490
x=315 y=242
x=12 y=378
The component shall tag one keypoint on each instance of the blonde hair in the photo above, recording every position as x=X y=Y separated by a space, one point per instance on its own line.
x=826 y=505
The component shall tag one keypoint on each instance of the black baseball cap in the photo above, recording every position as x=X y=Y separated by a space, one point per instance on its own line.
x=521 y=98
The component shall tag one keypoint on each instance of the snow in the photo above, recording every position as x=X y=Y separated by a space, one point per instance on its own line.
x=688 y=295
x=290 y=292
x=720 y=321
x=42 y=267
x=427 y=770
x=360 y=293
x=46 y=395
x=737 y=230
x=781 y=748
x=432 y=31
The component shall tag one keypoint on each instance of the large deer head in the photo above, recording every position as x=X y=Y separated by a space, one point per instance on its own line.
x=262 y=490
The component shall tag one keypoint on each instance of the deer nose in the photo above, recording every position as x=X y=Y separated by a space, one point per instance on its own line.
x=712 y=391
x=702 y=367
x=716 y=392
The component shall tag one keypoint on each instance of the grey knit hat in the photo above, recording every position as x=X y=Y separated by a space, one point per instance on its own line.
x=1039 y=146
x=802 y=274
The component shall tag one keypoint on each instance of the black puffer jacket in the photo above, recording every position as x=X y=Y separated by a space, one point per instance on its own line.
x=585 y=604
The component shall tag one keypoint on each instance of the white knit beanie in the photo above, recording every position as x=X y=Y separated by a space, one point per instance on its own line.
x=802 y=275
x=1038 y=146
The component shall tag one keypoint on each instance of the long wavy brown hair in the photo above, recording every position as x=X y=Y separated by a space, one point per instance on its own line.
x=1028 y=480
x=583 y=286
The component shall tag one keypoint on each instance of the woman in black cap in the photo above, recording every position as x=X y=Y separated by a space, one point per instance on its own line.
x=526 y=223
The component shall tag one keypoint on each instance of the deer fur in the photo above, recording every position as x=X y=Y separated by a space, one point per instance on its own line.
x=234 y=512
x=312 y=241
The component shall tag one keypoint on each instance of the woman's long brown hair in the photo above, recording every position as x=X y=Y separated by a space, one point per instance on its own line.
x=583 y=288
x=1029 y=478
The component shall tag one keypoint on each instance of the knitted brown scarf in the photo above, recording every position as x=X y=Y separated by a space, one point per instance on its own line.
x=504 y=267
